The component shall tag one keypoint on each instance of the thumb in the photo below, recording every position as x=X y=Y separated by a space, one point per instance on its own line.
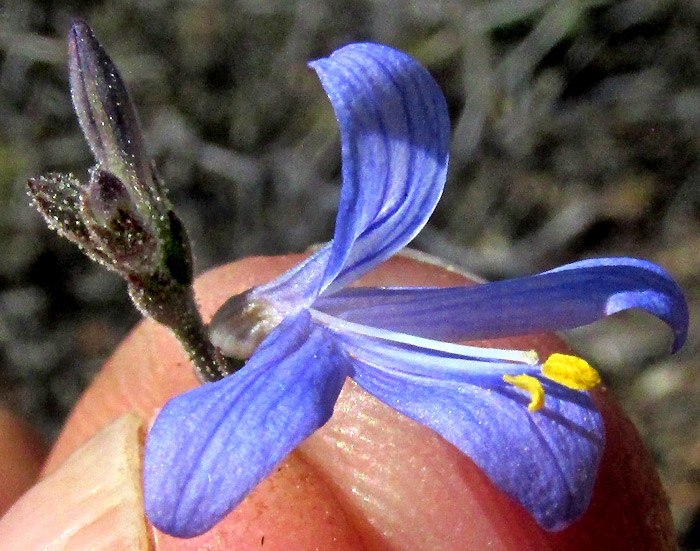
x=92 y=502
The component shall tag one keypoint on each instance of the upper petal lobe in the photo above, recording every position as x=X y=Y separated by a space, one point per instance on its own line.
x=395 y=138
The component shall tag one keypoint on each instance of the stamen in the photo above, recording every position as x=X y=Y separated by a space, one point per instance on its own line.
x=570 y=371
x=531 y=385
x=528 y=357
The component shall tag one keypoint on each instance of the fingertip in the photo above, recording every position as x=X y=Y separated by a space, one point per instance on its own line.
x=394 y=483
x=294 y=508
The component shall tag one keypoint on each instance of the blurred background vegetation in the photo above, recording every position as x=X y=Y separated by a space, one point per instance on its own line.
x=576 y=133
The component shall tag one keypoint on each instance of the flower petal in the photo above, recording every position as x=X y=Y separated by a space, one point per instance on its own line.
x=211 y=446
x=395 y=139
x=547 y=460
x=569 y=296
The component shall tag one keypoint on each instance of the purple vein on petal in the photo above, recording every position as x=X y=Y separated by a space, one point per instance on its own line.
x=395 y=135
x=568 y=297
x=547 y=459
x=211 y=446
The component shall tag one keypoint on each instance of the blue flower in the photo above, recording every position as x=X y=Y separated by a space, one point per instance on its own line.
x=530 y=425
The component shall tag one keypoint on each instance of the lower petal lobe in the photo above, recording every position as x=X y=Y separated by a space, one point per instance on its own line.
x=211 y=446
x=547 y=460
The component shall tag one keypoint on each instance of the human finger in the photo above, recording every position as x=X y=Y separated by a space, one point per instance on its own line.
x=372 y=478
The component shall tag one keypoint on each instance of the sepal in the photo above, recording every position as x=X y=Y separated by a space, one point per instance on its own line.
x=57 y=198
x=116 y=227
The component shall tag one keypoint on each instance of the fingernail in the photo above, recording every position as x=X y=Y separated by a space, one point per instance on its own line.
x=94 y=501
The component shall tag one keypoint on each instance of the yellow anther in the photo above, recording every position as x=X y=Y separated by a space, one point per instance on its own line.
x=531 y=385
x=570 y=371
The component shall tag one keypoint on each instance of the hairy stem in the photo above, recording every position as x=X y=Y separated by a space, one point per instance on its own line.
x=174 y=306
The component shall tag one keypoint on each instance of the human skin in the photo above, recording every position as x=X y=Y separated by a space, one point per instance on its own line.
x=21 y=454
x=369 y=480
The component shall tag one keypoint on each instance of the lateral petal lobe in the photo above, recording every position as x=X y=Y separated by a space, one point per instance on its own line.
x=211 y=446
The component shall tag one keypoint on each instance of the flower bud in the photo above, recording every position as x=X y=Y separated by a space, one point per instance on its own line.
x=116 y=227
x=241 y=324
x=122 y=217
x=106 y=113
x=107 y=197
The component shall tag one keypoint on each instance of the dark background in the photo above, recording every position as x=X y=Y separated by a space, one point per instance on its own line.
x=576 y=129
